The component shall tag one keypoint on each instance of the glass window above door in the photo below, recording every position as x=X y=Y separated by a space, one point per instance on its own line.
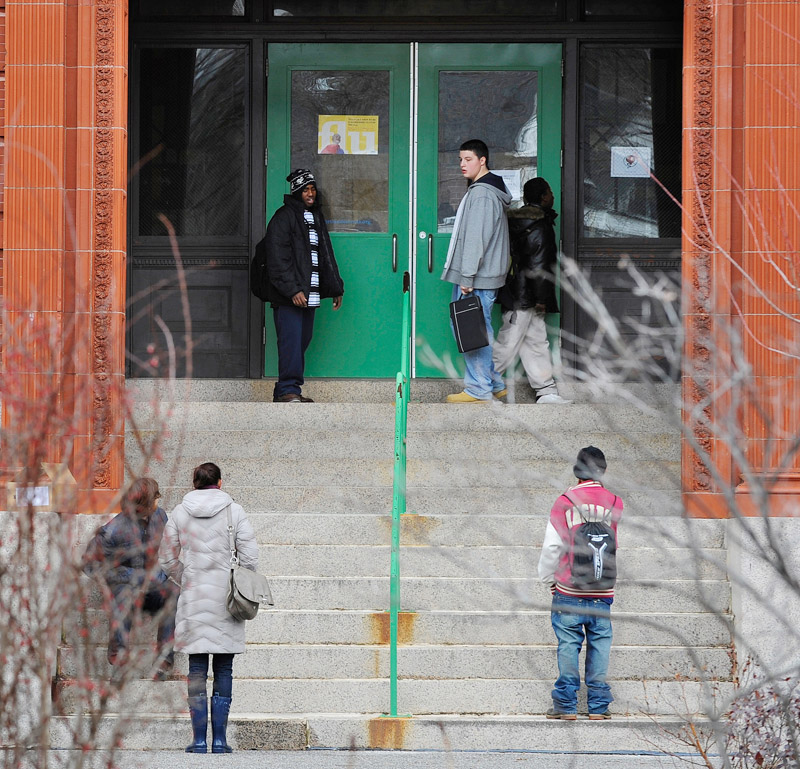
x=498 y=107
x=546 y=9
x=608 y=10
x=188 y=8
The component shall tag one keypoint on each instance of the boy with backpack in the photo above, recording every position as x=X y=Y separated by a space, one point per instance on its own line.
x=578 y=563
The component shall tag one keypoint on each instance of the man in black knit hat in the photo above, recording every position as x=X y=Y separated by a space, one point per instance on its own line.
x=302 y=271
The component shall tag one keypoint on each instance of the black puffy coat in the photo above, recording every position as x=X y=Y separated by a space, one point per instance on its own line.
x=288 y=254
x=531 y=279
x=124 y=552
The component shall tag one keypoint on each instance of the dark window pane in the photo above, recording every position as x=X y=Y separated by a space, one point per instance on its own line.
x=340 y=130
x=631 y=127
x=380 y=8
x=192 y=141
x=189 y=8
x=633 y=9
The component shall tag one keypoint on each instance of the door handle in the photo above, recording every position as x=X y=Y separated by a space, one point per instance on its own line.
x=430 y=252
x=394 y=252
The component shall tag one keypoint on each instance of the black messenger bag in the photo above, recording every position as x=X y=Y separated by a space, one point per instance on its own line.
x=469 y=325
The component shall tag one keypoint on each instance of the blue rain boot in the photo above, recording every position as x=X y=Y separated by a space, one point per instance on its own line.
x=198 y=709
x=220 y=707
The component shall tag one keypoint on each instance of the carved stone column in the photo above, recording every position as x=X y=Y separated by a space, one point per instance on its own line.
x=66 y=181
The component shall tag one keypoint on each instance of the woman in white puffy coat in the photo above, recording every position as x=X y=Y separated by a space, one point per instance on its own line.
x=195 y=552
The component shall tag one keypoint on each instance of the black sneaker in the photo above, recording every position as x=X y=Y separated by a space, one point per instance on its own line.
x=553 y=713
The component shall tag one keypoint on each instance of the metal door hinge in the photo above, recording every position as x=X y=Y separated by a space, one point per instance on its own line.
x=562 y=67
x=266 y=156
x=263 y=335
x=266 y=68
x=562 y=158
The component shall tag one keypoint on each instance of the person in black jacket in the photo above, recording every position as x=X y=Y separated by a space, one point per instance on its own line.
x=124 y=555
x=301 y=271
x=529 y=292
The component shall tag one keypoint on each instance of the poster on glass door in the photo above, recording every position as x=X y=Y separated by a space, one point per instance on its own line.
x=347 y=135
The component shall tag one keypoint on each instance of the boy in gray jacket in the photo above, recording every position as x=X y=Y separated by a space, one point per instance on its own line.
x=477 y=262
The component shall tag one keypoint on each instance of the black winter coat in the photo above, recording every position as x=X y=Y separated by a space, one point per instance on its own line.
x=124 y=552
x=531 y=279
x=288 y=254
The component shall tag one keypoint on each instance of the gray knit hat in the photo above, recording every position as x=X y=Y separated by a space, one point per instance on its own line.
x=591 y=464
x=299 y=178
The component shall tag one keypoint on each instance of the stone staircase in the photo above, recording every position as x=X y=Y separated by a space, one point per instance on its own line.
x=477 y=655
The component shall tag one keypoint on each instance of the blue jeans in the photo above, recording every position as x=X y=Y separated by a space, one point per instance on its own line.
x=293 y=328
x=481 y=378
x=223 y=674
x=573 y=619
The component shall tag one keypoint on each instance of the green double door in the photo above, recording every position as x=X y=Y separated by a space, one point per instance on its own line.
x=380 y=126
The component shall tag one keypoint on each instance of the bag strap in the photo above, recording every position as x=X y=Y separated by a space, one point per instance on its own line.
x=231 y=542
x=606 y=516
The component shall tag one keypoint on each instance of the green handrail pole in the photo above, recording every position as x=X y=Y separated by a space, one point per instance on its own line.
x=399 y=487
x=398 y=504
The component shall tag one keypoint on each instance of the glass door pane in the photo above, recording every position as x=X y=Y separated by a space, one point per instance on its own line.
x=349 y=155
x=509 y=115
x=510 y=97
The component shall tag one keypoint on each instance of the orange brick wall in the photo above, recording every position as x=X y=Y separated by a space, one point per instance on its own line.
x=2 y=129
x=741 y=261
x=65 y=215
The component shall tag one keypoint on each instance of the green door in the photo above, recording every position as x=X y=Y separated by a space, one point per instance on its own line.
x=343 y=111
x=389 y=178
x=510 y=97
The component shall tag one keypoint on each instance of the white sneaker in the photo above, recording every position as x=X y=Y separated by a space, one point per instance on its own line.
x=552 y=398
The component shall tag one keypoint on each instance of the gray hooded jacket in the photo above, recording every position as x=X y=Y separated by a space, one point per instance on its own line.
x=195 y=553
x=479 y=250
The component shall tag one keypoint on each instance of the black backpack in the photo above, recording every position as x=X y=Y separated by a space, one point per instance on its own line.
x=259 y=279
x=593 y=558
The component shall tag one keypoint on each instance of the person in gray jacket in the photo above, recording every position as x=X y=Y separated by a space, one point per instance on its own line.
x=477 y=262
x=195 y=552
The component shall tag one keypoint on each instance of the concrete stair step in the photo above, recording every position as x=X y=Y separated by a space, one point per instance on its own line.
x=335 y=498
x=354 y=626
x=441 y=733
x=465 y=530
x=379 y=417
x=430 y=473
x=435 y=662
x=521 y=696
x=361 y=391
x=226 y=445
x=473 y=561
x=428 y=593
x=478 y=594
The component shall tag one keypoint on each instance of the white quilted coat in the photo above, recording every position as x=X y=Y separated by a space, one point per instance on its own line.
x=195 y=552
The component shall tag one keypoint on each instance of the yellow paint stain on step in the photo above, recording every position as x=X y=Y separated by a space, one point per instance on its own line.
x=414 y=529
x=387 y=733
x=379 y=627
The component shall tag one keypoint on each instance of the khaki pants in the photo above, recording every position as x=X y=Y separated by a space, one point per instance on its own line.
x=524 y=335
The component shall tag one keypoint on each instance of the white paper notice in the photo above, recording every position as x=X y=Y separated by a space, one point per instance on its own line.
x=35 y=496
x=631 y=162
x=513 y=180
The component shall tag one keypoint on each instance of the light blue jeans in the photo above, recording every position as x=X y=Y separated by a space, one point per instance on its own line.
x=481 y=379
x=573 y=619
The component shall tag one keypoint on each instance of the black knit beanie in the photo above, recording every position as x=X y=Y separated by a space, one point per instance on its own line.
x=591 y=464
